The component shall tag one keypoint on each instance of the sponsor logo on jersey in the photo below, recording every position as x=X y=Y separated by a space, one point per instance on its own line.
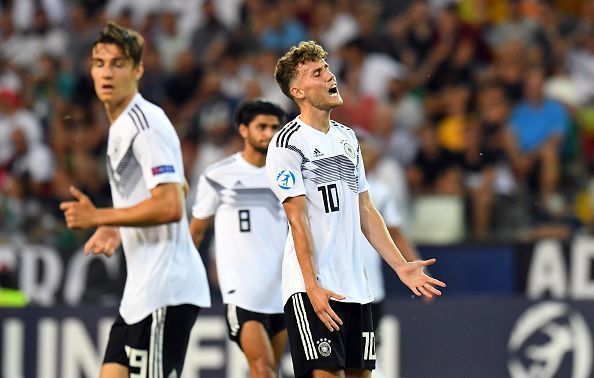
x=285 y=179
x=163 y=169
x=317 y=153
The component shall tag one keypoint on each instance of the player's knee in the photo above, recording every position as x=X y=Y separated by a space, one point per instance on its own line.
x=262 y=367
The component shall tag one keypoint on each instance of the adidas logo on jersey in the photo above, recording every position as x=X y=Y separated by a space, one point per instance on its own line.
x=317 y=153
x=238 y=183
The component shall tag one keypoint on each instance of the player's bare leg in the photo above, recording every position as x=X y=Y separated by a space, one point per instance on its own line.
x=357 y=373
x=258 y=350
x=319 y=373
x=279 y=343
x=113 y=370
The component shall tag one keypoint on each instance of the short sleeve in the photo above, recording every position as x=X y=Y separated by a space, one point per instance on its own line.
x=157 y=158
x=207 y=199
x=283 y=169
x=361 y=179
x=389 y=211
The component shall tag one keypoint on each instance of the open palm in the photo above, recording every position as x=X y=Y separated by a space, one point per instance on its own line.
x=412 y=275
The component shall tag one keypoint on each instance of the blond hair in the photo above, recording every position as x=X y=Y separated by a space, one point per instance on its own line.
x=286 y=67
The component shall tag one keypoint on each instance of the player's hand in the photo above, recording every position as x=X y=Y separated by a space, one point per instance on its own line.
x=80 y=213
x=320 y=300
x=412 y=275
x=104 y=241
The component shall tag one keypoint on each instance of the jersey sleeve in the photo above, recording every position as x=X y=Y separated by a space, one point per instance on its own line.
x=361 y=179
x=283 y=169
x=389 y=211
x=207 y=199
x=157 y=159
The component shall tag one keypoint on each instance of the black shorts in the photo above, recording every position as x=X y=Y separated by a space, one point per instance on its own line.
x=237 y=316
x=155 y=346
x=313 y=346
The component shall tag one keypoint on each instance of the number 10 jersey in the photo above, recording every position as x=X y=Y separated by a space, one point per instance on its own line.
x=328 y=169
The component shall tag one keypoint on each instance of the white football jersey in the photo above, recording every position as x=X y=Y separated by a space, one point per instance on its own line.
x=250 y=229
x=385 y=202
x=328 y=170
x=163 y=266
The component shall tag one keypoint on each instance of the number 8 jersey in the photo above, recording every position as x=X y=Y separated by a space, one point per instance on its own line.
x=328 y=170
x=250 y=233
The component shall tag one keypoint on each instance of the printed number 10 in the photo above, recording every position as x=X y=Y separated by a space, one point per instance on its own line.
x=330 y=197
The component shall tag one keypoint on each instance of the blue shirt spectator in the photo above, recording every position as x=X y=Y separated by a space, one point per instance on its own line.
x=534 y=123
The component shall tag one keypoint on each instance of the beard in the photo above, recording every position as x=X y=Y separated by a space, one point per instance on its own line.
x=262 y=150
x=257 y=147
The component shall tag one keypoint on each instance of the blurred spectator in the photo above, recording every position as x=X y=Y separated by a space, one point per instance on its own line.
x=332 y=26
x=41 y=38
x=418 y=75
x=515 y=27
x=152 y=84
x=209 y=41
x=376 y=69
x=282 y=29
x=434 y=170
x=580 y=63
x=408 y=116
x=182 y=84
x=477 y=163
x=215 y=111
x=13 y=115
x=358 y=108
x=23 y=12
x=32 y=164
x=169 y=42
x=451 y=128
x=82 y=31
x=538 y=125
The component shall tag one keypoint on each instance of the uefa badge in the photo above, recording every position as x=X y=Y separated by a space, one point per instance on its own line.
x=285 y=179
x=349 y=150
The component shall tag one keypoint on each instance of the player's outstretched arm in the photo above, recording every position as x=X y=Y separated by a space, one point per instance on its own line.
x=164 y=206
x=296 y=210
x=410 y=273
x=104 y=241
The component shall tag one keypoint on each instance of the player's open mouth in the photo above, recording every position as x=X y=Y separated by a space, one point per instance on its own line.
x=333 y=91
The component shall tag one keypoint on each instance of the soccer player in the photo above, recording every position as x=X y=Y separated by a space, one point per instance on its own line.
x=166 y=281
x=251 y=231
x=315 y=168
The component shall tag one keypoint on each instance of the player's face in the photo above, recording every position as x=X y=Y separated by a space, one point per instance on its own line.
x=316 y=86
x=260 y=131
x=114 y=76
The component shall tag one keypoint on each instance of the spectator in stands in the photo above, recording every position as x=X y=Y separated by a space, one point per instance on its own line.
x=538 y=125
x=435 y=169
x=209 y=41
x=477 y=165
x=169 y=41
x=283 y=30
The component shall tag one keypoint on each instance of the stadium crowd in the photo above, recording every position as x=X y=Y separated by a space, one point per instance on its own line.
x=484 y=104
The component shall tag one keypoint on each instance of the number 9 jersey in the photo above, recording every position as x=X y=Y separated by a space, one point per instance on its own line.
x=328 y=169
